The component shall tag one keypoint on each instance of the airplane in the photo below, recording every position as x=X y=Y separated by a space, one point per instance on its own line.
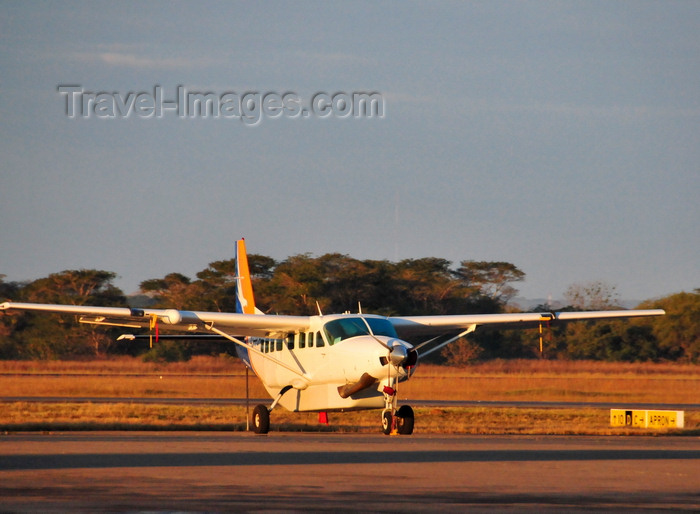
x=326 y=362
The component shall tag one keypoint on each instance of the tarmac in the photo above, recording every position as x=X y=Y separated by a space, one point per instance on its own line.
x=300 y=472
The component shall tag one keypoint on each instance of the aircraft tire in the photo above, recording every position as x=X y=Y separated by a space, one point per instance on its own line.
x=260 y=420
x=386 y=422
x=404 y=421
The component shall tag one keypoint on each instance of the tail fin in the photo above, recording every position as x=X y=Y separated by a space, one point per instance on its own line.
x=245 y=302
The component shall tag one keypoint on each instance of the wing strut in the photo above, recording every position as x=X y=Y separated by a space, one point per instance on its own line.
x=212 y=328
x=469 y=330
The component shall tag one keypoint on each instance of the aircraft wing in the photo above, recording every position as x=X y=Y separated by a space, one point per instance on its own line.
x=263 y=325
x=410 y=326
x=171 y=319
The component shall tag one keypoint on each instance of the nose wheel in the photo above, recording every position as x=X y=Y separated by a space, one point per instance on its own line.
x=396 y=421
x=387 y=422
x=401 y=422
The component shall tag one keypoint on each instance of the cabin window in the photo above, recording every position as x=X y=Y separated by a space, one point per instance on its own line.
x=279 y=343
x=290 y=341
x=302 y=339
x=319 y=339
x=311 y=339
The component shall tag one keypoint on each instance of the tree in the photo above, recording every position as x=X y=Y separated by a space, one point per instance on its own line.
x=76 y=287
x=678 y=332
x=346 y=282
x=338 y=282
x=168 y=288
x=492 y=278
x=592 y=296
x=618 y=340
x=53 y=336
x=294 y=288
x=8 y=290
x=216 y=287
x=462 y=352
x=423 y=285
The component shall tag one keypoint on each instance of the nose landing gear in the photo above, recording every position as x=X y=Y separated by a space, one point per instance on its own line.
x=396 y=421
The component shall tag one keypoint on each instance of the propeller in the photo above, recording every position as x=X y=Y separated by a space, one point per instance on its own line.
x=398 y=355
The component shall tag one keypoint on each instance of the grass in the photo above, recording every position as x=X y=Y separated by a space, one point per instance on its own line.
x=205 y=377
x=25 y=416
x=523 y=380
x=123 y=366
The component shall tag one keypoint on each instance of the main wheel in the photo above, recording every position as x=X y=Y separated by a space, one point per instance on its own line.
x=260 y=419
x=386 y=422
x=404 y=420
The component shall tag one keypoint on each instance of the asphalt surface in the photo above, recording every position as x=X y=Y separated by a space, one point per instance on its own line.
x=205 y=471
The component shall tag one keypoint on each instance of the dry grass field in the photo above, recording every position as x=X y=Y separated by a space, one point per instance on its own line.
x=206 y=377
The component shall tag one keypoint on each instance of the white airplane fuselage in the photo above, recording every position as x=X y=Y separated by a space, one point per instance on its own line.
x=320 y=360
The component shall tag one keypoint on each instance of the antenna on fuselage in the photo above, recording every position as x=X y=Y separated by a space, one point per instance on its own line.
x=319 y=308
x=359 y=307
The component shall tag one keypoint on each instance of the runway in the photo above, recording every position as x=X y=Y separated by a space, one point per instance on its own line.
x=205 y=471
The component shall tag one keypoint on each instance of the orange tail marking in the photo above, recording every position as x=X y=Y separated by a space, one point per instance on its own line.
x=245 y=302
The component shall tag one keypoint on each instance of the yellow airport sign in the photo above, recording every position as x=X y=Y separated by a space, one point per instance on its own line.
x=647 y=418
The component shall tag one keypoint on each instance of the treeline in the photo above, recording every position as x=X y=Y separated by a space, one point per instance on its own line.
x=332 y=283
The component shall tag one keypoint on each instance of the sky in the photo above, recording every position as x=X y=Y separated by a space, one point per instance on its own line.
x=563 y=137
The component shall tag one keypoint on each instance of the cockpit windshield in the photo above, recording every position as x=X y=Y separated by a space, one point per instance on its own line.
x=381 y=327
x=345 y=328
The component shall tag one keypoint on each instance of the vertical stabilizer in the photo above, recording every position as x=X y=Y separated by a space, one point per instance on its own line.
x=245 y=302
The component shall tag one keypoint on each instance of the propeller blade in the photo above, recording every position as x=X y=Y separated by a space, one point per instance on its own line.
x=380 y=341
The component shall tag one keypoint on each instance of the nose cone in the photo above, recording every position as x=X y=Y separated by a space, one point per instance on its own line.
x=398 y=354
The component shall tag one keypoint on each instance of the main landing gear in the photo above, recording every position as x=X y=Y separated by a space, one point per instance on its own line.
x=260 y=420
x=396 y=421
